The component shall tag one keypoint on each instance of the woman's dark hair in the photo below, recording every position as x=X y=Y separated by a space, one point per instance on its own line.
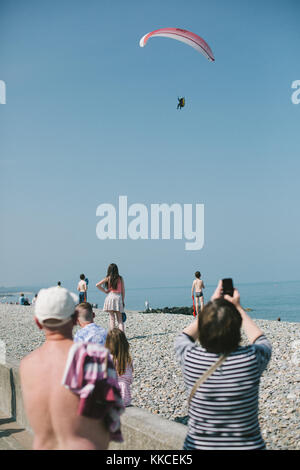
x=82 y=276
x=219 y=327
x=113 y=276
x=198 y=274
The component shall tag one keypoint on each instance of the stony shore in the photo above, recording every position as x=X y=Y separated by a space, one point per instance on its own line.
x=158 y=385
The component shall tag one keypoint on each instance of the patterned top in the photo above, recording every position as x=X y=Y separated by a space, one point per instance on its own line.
x=90 y=373
x=223 y=413
x=91 y=333
x=125 y=382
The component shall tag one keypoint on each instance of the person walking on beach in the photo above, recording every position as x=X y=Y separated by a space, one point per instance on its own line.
x=82 y=288
x=223 y=377
x=117 y=344
x=114 y=302
x=68 y=401
x=197 y=286
x=89 y=331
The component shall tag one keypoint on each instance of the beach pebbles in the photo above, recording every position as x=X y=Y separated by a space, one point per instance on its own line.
x=158 y=386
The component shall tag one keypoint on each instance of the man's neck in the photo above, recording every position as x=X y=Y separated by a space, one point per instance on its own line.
x=57 y=335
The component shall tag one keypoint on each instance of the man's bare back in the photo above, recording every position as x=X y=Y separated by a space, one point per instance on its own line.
x=51 y=408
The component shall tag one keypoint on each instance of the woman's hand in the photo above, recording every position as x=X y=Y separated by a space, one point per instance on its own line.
x=235 y=300
x=218 y=292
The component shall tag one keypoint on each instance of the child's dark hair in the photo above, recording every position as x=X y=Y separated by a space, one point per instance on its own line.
x=116 y=342
x=84 y=311
x=198 y=274
x=82 y=276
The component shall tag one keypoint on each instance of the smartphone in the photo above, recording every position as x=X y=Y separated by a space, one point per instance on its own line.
x=227 y=287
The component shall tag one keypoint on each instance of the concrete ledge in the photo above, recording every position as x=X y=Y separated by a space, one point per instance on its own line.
x=141 y=430
x=145 y=431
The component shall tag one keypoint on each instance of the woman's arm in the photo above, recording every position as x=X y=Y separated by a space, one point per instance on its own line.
x=249 y=326
x=99 y=284
x=192 y=329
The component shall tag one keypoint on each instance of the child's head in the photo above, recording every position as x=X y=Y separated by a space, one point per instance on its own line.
x=116 y=342
x=82 y=277
x=85 y=313
x=198 y=274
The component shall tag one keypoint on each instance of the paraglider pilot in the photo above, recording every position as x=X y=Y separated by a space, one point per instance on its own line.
x=181 y=103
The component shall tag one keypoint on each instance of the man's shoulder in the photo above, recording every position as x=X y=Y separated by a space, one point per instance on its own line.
x=98 y=327
x=28 y=360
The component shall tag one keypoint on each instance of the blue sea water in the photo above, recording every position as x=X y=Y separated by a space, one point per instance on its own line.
x=268 y=300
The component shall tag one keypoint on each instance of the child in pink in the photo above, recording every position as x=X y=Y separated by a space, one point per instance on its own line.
x=117 y=344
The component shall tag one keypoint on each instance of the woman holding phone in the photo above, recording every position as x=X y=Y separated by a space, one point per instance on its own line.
x=223 y=377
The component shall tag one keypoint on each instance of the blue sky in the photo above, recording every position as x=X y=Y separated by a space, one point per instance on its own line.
x=90 y=116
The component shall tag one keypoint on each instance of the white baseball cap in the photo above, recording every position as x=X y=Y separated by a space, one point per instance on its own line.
x=55 y=303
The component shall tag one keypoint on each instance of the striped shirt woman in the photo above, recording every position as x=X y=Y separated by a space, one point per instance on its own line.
x=223 y=408
x=223 y=413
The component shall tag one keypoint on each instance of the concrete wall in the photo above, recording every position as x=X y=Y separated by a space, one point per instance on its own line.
x=141 y=430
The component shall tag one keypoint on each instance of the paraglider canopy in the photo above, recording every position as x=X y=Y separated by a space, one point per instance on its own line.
x=189 y=38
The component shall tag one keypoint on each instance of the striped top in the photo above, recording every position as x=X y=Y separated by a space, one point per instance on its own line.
x=223 y=413
x=125 y=382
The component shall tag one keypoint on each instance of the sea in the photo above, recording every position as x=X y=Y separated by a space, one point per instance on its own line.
x=267 y=300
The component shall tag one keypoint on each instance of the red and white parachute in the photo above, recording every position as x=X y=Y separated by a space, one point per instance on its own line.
x=182 y=35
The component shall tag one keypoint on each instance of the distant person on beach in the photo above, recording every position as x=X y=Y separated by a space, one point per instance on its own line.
x=117 y=344
x=82 y=288
x=23 y=300
x=114 y=302
x=34 y=299
x=89 y=331
x=223 y=401
x=68 y=400
x=197 y=286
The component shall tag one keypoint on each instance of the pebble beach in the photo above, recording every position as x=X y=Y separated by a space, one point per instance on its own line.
x=158 y=385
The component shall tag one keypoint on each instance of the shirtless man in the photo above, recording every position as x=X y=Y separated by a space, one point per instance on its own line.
x=82 y=288
x=198 y=285
x=51 y=408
